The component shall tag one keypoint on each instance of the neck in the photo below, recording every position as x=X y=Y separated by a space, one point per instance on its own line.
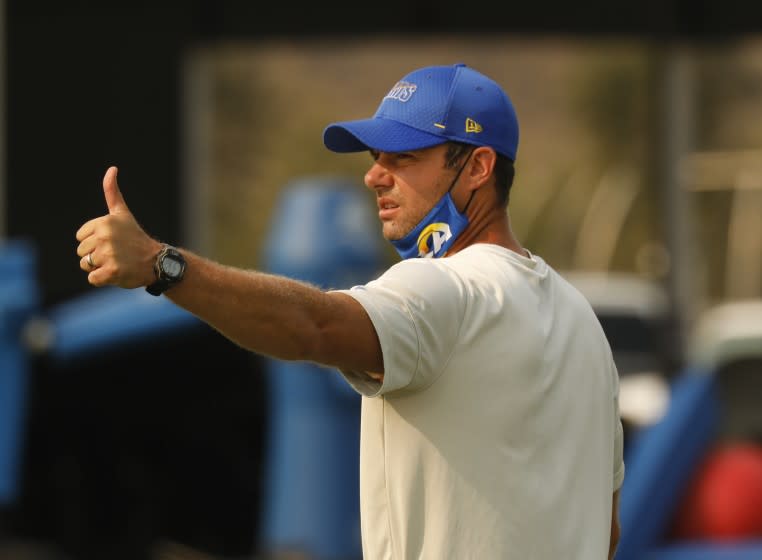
x=487 y=225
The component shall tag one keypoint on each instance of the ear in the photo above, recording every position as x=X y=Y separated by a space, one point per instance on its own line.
x=482 y=163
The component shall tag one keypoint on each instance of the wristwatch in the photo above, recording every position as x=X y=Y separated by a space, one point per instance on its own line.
x=169 y=269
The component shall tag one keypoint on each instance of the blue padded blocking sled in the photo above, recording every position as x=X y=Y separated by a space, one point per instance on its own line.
x=108 y=318
x=325 y=233
x=661 y=460
x=19 y=300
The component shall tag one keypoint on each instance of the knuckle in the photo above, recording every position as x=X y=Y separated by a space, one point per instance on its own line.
x=105 y=229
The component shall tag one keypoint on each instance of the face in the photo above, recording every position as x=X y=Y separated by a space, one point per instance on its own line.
x=407 y=186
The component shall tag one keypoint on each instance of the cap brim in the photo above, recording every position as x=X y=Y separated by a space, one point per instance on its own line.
x=380 y=134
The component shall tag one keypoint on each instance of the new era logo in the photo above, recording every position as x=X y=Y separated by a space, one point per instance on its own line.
x=472 y=125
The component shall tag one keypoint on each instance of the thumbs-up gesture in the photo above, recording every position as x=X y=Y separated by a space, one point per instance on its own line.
x=114 y=249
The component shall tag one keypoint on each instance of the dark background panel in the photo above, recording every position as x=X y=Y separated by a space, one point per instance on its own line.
x=86 y=91
x=162 y=441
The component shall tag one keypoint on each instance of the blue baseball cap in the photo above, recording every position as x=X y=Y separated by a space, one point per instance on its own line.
x=431 y=106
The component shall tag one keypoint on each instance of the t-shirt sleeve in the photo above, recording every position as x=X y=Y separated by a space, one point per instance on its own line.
x=416 y=308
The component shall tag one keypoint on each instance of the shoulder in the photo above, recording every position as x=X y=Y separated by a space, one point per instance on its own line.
x=417 y=284
x=413 y=273
x=476 y=267
x=496 y=264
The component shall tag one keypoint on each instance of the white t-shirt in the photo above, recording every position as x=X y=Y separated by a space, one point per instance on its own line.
x=496 y=431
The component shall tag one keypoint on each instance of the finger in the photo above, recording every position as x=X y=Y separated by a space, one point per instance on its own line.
x=87 y=229
x=114 y=199
x=84 y=265
x=87 y=246
x=98 y=277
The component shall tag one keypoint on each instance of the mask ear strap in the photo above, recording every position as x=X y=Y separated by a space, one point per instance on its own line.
x=470 y=198
x=457 y=176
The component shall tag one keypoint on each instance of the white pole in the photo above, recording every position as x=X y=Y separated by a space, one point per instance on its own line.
x=743 y=269
x=675 y=137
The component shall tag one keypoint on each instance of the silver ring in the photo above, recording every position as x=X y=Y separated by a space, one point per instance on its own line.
x=90 y=262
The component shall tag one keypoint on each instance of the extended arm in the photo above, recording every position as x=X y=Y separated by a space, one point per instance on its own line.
x=272 y=315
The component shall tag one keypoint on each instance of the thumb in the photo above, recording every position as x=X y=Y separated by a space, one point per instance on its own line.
x=114 y=199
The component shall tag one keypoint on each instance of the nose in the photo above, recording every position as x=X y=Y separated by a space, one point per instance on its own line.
x=378 y=177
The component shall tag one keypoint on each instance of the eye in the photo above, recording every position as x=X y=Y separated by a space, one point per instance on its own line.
x=374 y=154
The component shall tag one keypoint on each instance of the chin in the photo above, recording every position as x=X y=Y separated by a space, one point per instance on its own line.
x=392 y=234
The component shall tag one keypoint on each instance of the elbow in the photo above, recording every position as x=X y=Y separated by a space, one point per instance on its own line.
x=308 y=344
x=320 y=348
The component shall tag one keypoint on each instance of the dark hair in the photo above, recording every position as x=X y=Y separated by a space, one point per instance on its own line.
x=504 y=170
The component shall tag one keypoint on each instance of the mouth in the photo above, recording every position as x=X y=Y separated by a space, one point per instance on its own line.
x=386 y=208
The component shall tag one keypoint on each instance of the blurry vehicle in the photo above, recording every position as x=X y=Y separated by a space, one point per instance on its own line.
x=728 y=340
x=693 y=488
x=723 y=502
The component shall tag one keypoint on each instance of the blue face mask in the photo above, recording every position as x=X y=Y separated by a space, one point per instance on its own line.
x=438 y=230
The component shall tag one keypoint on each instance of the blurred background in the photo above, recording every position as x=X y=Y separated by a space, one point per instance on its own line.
x=128 y=429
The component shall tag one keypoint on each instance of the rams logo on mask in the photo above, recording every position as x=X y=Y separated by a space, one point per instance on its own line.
x=432 y=238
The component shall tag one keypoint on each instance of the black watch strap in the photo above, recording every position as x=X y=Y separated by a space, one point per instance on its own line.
x=158 y=287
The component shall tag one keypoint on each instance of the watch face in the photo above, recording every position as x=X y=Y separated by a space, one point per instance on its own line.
x=172 y=267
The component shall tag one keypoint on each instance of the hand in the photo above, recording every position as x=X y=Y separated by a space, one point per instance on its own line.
x=121 y=253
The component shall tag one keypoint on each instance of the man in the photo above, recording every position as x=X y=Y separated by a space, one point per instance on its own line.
x=490 y=423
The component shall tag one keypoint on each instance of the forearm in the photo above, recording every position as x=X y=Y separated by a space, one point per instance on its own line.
x=260 y=312
x=271 y=315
